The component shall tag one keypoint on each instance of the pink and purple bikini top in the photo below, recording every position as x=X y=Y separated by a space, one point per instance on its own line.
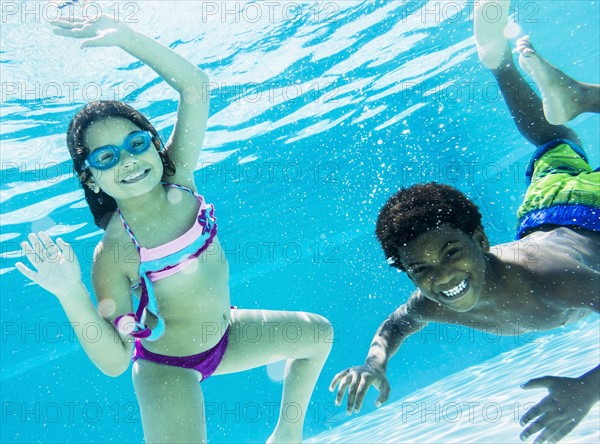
x=162 y=261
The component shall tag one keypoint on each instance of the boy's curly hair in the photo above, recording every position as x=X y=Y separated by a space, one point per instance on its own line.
x=417 y=209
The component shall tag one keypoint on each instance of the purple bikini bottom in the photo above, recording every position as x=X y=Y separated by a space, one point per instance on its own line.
x=204 y=363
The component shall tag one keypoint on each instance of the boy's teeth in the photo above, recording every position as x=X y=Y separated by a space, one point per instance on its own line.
x=456 y=290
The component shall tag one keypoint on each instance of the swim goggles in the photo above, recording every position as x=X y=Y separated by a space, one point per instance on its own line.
x=108 y=156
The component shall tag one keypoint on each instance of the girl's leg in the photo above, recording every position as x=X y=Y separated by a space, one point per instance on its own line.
x=260 y=337
x=523 y=103
x=171 y=403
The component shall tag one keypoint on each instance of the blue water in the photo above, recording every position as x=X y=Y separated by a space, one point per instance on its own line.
x=481 y=404
x=319 y=112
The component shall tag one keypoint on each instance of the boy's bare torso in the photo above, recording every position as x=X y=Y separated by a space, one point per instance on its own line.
x=546 y=280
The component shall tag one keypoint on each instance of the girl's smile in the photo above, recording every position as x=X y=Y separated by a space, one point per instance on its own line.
x=128 y=160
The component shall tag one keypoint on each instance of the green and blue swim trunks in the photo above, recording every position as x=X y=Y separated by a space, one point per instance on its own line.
x=563 y=189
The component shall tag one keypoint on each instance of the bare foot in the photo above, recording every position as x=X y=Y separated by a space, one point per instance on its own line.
x=561 y=95
x=490 y=18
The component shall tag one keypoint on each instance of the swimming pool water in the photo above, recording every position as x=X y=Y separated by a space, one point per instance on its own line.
x=319 y=112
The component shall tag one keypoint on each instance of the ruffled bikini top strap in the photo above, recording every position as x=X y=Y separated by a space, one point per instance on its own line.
x=133 y=323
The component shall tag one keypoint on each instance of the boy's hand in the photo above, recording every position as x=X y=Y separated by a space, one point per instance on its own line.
x=103 y=31
x=358 y=380
x=57 y=266
x=569 y=400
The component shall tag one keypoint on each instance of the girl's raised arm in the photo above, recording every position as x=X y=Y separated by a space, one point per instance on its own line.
x=187 y=79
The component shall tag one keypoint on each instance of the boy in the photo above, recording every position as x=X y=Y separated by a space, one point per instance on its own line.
x=434 y=234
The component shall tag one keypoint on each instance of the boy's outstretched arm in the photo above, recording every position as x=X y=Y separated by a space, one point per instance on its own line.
x=569 y=400
x=387 y=340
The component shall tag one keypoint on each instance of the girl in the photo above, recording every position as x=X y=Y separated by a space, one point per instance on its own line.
x=157 y=232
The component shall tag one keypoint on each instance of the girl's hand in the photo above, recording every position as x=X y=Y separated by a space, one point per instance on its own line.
x=102 y=31
x=57 y=266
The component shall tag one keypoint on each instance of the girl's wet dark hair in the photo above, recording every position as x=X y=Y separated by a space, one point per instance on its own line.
x=417 y=209
x=101 y=204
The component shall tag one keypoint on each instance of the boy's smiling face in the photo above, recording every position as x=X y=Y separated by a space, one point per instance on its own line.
x=448 y=265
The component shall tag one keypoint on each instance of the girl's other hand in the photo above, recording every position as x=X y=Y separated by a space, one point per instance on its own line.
x=57 y=266
x=101 y=31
